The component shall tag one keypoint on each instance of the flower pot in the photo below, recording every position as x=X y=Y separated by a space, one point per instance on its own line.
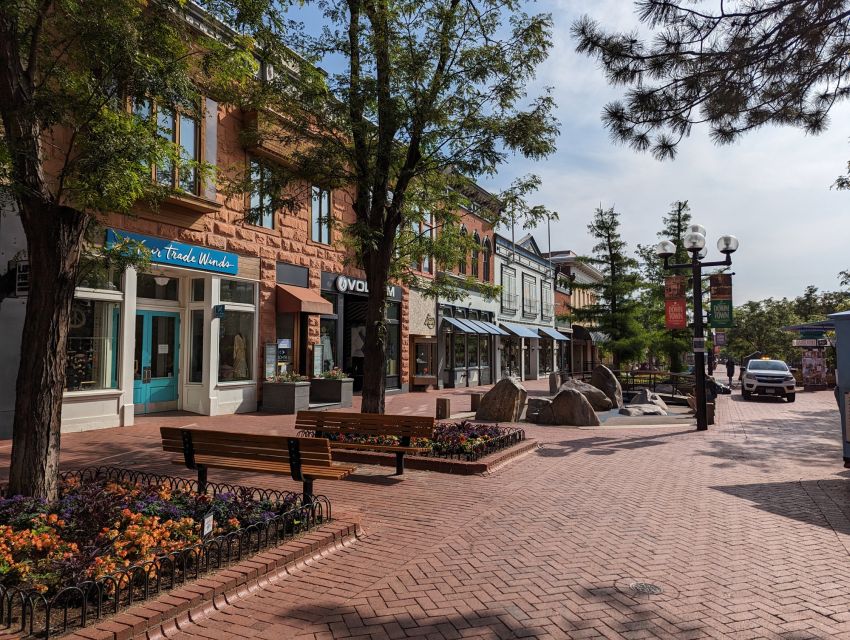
x=329 y=390
x=286 y=397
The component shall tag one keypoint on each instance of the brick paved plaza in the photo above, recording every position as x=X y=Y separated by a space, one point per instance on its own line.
x=745 y=528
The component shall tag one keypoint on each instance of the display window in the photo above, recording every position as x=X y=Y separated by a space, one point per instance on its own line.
x=91 y=361
x=235 y=346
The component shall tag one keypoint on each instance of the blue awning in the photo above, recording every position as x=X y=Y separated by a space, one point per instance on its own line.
x=479 y=326
x=519 y=330
x=469 y=324
x=493 y=328
x=549 y=332
x=458 y=325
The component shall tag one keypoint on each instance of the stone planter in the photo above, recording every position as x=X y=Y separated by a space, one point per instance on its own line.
x=286 y=397
x=328 y=390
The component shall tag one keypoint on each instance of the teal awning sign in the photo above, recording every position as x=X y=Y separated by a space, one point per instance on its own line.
x=179 y=254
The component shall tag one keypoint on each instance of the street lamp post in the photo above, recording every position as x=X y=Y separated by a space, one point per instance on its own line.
x=694 y=243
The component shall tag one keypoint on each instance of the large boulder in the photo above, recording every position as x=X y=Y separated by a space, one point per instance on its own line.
x=503 y=403
x=597 y=398
x=569 y=408
x=603 y=378
x=643 y=410
x=645 y=396
x=536 y=407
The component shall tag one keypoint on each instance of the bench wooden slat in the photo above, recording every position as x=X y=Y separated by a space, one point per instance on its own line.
x=376 y=447
x=327 y=473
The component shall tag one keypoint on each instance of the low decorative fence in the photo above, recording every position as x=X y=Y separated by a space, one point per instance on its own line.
x=38 y=612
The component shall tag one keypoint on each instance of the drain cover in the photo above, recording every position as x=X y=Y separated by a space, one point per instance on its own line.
x=645 y=588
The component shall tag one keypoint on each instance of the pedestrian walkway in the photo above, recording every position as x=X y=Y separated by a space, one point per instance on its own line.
x=739 y=532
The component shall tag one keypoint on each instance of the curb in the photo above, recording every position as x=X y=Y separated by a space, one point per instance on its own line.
x=171 y=612
x=438 y=465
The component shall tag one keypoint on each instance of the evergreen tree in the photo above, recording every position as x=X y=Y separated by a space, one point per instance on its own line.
x=616 y=311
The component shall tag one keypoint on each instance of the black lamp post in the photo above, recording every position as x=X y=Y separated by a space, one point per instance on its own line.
x=694 y=243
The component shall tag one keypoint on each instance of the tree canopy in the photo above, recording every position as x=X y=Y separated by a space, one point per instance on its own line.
x=736 y=67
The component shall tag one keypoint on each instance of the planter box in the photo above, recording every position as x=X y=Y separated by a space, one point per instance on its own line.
x=326 y=390
x=286 y=397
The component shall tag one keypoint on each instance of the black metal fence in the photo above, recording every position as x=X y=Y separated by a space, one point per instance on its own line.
x=81 y=604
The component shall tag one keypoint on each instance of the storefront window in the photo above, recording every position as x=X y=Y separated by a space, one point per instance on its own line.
x=196 y=362
x=393 y=311
x=92 y=355
x=472 y=350
x=235 y=346
x=237 y=291
x=546 y=355
x=198 y=290
x=424 y=355
x=484 y=351
x=156 y=287
x=460 y=351
x=327 y=339
x=392 y=349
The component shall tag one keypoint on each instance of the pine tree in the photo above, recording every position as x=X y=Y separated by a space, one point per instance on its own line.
x=616 y=311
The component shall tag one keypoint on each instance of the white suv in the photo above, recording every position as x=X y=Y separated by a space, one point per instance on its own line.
x=770 y=378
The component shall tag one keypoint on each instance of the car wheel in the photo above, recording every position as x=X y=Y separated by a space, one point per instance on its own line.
x=791 y=397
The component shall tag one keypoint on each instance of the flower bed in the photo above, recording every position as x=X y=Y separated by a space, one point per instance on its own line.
x=462 y=440
x=115 y=536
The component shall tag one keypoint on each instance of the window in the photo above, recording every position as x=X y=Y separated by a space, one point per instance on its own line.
x=509 y=295
x=487 y=252
x=91 y=360
x=197 y=290
x=156 y=287
x=428 y=233
x=237 y=291
x=321 y=215
x=235 y=346
x=261 y=204
x=529 y=295
x=196 y=359
x=546 y=305
x=393 y=313
x=472 y=351
x=475 y=255
x=484 y=351
x=460 y=351
x=461 y=266
x=327 y=338
x=182 y=129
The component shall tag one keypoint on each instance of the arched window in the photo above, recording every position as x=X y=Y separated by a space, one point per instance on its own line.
x=488 y=250
x=461 y=265
x=477 y=240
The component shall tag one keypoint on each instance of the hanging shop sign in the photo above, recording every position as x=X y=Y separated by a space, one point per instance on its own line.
x=348 y=284
x=178 y=254
x=676 y=314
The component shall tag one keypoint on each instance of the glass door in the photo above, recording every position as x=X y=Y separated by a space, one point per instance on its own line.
x=155 y=361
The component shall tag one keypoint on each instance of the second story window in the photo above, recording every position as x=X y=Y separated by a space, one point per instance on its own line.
x=475 y=255
x=509 y=295
x=487 y=253
x=529 y=295
x=461 y=265
x=182 y=129
x=546 y=304
x=321 y=215
x=261 y=204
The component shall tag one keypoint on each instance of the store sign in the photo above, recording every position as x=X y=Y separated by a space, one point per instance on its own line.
x=676 y=314
x=721 y=313
x=178 y=254
x=349 y=284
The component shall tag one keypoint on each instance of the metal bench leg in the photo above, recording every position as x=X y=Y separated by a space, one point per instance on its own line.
x=202 y=478
x=308 y=490
x=399 y=463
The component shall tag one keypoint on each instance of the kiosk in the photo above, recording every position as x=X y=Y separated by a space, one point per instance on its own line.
x=842 y=377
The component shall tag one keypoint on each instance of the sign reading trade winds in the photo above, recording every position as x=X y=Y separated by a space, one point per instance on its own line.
x=178 y=254
x=720 y=285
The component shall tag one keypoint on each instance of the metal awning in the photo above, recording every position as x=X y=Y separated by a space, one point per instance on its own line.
x=519 y=330
x=463 y=328
x=549 y=332
x=470 y=326
x=292 y=299
x=479 y=326
x=493 y=329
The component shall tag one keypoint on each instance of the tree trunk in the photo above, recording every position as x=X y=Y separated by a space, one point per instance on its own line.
x=375 y=344
x=54 y=242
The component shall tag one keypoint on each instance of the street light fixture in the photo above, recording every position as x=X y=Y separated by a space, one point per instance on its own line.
x=695 y=244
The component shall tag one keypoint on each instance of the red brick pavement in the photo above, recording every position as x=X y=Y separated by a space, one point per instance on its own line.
x=746 y=528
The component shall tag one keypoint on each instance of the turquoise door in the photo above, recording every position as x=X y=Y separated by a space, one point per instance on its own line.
x=156 y=360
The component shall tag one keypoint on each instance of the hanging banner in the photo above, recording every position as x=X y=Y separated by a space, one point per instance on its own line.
x=720 y=285
x=721 y=313
x=720 y=339
x=676 y=314
x=674 y=287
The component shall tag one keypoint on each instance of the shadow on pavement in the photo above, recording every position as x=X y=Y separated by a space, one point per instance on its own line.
x=601 y=446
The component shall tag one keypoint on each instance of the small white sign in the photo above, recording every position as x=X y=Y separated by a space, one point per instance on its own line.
x=162 y=348
x=699 y=345
x=208 y=524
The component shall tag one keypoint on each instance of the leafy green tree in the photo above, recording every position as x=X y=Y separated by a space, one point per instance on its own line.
x=736 y=68
x=759 y=327
x=71 y=150
x=422 y=96
x=616 y=311
x=844 y=278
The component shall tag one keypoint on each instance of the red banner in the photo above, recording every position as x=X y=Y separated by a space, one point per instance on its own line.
x=674 y=287
x=676 y=314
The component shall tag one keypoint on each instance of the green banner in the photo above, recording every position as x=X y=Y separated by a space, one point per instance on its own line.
x=721 y=313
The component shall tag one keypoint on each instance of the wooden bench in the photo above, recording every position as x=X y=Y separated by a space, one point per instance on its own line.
x=304 y=459
x=405 y=428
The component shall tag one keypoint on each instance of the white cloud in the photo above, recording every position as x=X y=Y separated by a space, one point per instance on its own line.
x=772 y=189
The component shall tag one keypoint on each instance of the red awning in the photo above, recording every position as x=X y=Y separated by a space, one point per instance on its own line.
x=292 y=299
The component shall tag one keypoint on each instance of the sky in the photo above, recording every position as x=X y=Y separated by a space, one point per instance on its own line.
x=771 y=189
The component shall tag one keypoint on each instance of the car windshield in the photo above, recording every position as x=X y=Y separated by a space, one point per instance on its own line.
x=767 y=365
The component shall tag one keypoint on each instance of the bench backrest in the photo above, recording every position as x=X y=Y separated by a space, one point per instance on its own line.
x=314 y=452
x=365 y=423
